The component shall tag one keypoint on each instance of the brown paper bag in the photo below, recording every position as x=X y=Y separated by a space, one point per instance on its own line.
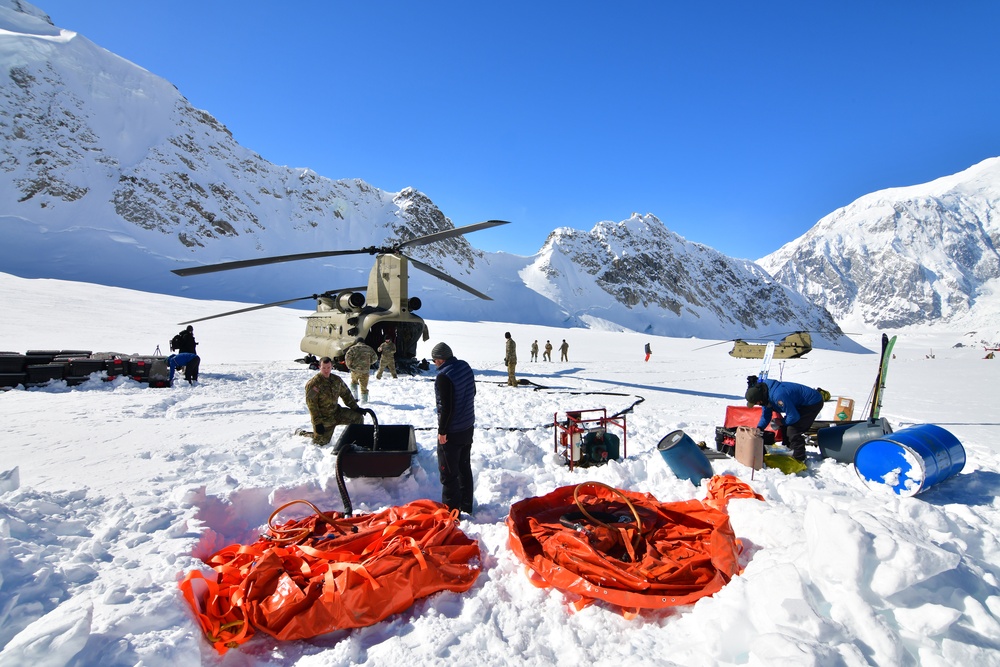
x=749 y=447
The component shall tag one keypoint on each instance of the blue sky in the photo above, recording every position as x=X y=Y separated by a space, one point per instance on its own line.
x=738 y=124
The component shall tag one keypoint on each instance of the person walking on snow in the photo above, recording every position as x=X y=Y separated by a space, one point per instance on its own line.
x=510 y=359
x=359 y=360
x=649 y=351
x=534 y=351
x=388 y=358
x=563 y=351
x=799 y=403
x=455 y=393
x=547 y=355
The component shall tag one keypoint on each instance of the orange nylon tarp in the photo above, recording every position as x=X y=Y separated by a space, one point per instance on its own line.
x=683 y=551
x=329 y=572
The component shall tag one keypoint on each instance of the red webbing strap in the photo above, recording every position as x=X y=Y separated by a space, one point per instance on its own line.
x=223 y=623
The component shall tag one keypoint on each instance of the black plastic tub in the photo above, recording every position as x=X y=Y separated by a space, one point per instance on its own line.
x=359 y=455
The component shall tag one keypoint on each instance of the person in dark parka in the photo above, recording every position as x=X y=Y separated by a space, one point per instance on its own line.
x=455 y=392
x=799 y=404
x=185 y=342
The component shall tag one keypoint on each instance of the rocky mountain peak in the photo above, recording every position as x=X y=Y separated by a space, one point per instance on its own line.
x=903 y=256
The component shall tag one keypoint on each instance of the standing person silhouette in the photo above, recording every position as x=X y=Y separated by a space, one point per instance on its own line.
x=510 y=359
x=455 y=393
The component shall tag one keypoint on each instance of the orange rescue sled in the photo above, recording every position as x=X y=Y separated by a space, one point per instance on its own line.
x=595 y=542
x=329 y=572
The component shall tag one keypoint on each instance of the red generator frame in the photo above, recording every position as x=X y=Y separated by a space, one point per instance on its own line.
x=569 y=432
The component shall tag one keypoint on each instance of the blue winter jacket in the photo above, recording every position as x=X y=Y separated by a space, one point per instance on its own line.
x=455 y=390
x=175 y=361
x=787 y=397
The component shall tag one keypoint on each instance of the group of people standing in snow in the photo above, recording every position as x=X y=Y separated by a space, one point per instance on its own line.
x=510 y=355
x=547 y=353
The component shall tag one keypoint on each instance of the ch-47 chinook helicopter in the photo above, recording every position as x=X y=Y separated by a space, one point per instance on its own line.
x=792 y=346
x=383 y=310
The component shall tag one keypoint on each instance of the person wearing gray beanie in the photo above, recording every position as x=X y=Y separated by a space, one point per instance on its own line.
x=441 y=351
x=455 y=393
x=799 y=403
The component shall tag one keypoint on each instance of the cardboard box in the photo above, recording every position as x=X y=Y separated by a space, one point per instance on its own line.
x=845 y=410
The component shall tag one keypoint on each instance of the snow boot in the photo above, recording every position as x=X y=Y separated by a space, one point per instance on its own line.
x=364 y=397
x=354 y=391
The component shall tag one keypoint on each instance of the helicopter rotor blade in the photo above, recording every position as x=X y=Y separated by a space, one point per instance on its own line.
x=448 y=233
x=277 y=303
x=371 y=250
x=242 y=264
x=426 y=268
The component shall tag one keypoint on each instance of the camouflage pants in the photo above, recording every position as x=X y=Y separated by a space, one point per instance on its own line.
x=386 y=364
x=511 y=380
x=338 y=417
x=360 y=379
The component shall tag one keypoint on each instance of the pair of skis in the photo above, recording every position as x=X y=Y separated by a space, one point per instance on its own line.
x=765 y=367
x=883 y=370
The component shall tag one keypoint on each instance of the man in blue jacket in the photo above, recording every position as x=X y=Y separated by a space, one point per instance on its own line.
x=189 y=361
x=455 y=391
x=799 y=403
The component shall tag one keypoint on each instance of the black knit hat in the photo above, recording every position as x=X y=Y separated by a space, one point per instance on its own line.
x=441 y=351
x=757 y=394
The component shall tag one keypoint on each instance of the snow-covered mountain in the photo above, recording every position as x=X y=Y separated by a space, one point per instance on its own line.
x=109 y=175
x=919 y=255
x=637 y=273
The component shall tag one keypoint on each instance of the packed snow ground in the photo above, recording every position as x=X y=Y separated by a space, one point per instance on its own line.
x=111 y=491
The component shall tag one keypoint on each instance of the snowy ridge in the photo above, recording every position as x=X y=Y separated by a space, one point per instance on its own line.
x=639 y=274
x=901 y=257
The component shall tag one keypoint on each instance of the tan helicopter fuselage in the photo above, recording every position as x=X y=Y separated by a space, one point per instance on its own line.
x=792 y=346
x=385 y=313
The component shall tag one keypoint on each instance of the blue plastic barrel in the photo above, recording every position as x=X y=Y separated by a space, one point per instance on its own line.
x=684 y=457
x=910 y=460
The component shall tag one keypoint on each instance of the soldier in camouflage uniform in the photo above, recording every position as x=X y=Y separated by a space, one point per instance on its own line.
x=388 y=358
x=510 y=359
x=322 y=393
x=359 y=360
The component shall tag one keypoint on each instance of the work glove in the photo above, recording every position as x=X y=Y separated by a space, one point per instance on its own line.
x=320 y=429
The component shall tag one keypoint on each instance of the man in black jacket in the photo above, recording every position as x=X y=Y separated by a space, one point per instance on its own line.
x=455 y=391
x=184 y=341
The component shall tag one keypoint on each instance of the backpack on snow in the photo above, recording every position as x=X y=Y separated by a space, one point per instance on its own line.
x=175 y=343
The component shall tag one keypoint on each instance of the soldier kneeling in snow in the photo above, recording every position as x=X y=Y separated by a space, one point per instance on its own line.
x=322 y=394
